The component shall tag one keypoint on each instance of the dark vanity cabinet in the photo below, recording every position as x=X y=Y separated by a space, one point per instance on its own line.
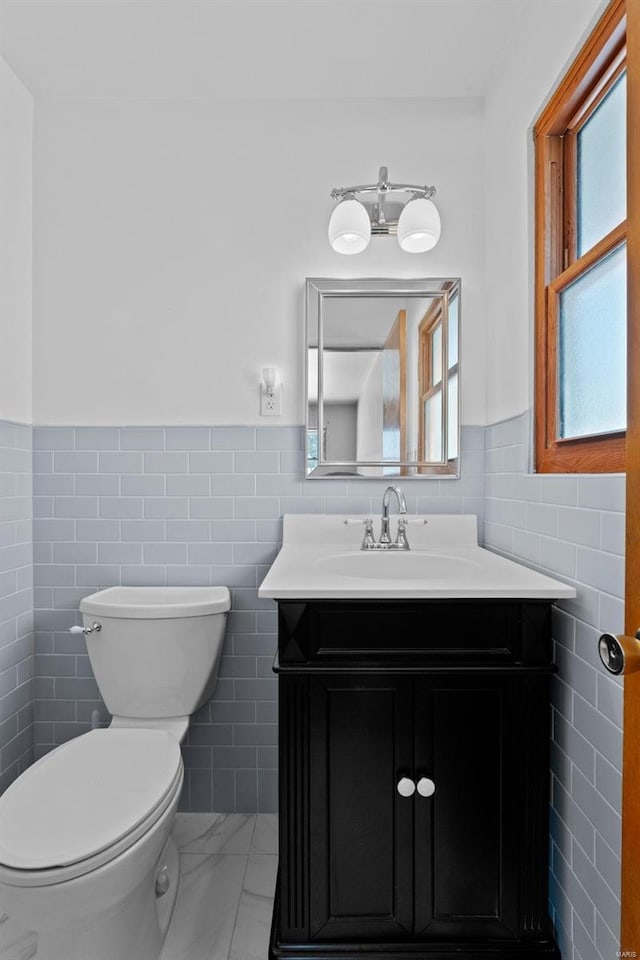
x=414 y=780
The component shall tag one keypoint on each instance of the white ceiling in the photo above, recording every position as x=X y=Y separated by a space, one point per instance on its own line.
x=262 y=48
x=363 y=322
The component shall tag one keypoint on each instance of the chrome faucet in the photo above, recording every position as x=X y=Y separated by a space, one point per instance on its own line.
x=385 y=543
x=402 y=505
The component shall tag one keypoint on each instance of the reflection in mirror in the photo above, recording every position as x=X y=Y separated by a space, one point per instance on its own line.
x=382 y=378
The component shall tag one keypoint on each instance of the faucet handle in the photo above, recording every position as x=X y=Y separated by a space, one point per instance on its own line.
x=401 y=538
x=368 y=541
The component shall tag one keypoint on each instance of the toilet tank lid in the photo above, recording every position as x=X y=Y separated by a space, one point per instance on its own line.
x=85 y=796
x=157 y=603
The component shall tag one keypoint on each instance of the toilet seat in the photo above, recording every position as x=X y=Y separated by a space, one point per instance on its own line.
x=85 y=803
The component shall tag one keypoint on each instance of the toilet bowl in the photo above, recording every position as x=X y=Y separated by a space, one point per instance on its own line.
x=81 y=836
x=86 y=855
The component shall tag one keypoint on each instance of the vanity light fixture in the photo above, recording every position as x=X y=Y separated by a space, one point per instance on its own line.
x=270 y=393
x=415 y=221
x=269 y=378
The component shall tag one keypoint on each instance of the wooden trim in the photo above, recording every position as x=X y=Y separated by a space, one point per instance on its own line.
x=431 y=317
x=602 y=47
x=630 y=939
x=570 y=160
x=548 y=263
x=402 y=323
x=397 y=342
x=428 y=323
x=549 y=160
x=589 y=260
x=432 y=391
x=596 y=68
x=585 y=456
x=610 y=77
x=426 y=389
x=552 y=363
x=570 y=191
x=596 y=454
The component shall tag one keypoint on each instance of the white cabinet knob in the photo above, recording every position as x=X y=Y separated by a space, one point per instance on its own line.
x=406 y=787
x=426 y=787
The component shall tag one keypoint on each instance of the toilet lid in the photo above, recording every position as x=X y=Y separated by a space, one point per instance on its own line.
x=85 y=796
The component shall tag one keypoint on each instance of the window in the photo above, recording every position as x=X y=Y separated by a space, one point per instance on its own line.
x=431 y=358
x=581 y=229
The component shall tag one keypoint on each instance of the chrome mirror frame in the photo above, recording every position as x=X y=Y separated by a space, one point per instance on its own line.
x=317 y=291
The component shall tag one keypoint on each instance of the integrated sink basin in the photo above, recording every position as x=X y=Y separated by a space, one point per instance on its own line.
x=321 y=559
x=392 y=565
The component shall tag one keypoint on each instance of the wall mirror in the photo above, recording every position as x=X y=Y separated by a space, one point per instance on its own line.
x=382 y=378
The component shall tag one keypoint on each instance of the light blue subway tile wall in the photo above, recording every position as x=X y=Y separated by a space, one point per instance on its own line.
x=189 y=505
x=16 y=602
x=572 y=527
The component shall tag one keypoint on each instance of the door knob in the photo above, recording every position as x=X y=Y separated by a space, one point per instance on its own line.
x=406 y=787
x=620 y=654
x=426 y=787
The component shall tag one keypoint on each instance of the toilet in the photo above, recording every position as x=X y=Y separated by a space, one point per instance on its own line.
x=87 y=860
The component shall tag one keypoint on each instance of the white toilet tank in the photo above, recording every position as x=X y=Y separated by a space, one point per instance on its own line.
x=158 y=649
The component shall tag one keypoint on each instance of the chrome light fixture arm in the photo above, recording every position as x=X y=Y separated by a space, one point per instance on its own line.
x=343 y=193
x=382 y=187
x=368 y=209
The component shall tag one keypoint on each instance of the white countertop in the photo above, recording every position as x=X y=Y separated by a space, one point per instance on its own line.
x=321 y=559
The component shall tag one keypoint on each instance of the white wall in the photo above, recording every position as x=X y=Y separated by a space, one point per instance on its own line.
x=341 y=420
x=536 y=61
x=152 y=219
x=173 y=239
x=16 y=152
x=370 y=416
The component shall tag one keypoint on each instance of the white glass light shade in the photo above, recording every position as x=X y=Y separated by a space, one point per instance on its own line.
x=419 y=226
x=349 y=227
x=269 y=376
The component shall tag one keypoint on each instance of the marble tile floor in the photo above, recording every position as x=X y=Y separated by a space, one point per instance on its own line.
x=228 y=866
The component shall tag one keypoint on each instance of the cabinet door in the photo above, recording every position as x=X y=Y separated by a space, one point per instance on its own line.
x=361 y=829
x=466 y=867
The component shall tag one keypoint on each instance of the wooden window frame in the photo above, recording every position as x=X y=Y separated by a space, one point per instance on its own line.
x=593 y=73
x=426 y=388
